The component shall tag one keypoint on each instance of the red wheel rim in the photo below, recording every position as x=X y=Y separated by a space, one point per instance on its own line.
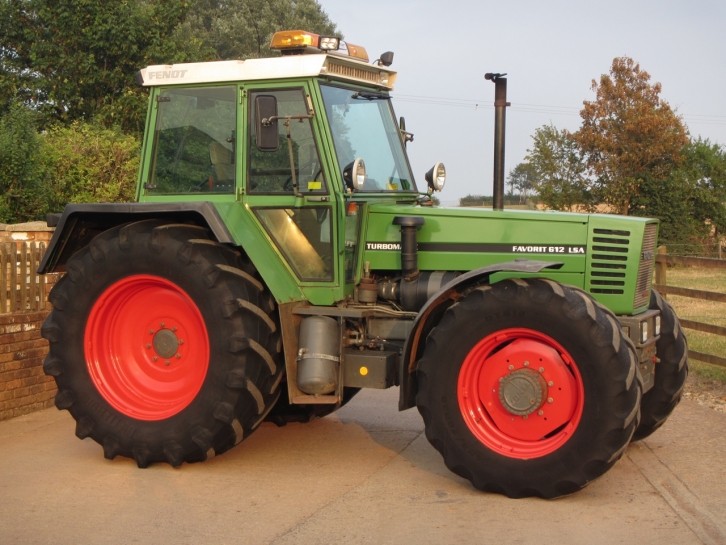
x=520 y=393
x=146 y=347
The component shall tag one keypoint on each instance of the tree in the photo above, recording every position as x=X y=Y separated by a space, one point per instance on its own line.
x=559 y=171
x=239 y=29
x=41 y=173
x=70 y=109
x=708 y=164
x=85 y=162
x=629 y=135
x=521 y=180
x=20 y=153
x=474 y=200
x=690 y=202
x=77 y=59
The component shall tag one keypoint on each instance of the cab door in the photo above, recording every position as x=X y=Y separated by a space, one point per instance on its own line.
x=287 y=186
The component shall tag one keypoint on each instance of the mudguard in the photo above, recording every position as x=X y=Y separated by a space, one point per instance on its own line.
x=79 y=223
x=431 y=312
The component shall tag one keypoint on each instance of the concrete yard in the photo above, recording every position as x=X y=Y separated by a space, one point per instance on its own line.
x=365 y=474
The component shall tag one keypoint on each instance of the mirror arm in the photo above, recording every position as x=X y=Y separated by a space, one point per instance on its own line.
x=267 y=121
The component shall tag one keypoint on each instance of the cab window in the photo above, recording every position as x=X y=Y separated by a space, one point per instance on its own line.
x=295 y=159
x=304 y=236
x=194 y=141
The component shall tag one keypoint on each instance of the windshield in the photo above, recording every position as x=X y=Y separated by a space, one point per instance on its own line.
x=364 y=127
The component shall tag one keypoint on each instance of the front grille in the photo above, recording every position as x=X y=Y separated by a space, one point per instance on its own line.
x=609 y=261
x=645 y=270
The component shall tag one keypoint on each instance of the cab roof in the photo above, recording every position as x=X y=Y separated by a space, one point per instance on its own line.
x=326 y=65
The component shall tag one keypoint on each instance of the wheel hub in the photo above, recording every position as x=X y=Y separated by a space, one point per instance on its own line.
x=522 y=392
x=166 y=343
x=136 y=329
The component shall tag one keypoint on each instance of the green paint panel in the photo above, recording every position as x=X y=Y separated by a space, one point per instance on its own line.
x=600 y=253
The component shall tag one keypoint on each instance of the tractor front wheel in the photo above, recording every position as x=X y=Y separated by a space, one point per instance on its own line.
x=671 y=370
x=527 y=388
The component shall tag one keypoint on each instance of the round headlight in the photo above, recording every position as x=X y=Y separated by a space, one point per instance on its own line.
x=354 y=174
x=359 y=173
x=436 y=177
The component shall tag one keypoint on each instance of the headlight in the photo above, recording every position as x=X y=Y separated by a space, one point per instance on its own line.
x=643 y=332
x=436 y=177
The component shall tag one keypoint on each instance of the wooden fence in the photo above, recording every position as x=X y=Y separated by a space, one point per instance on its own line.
x=21 y=288
x=662 y=262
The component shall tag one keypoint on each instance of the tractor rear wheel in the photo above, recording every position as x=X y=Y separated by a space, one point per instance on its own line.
x=671 y=371
x=163 y=344
x=528 y=388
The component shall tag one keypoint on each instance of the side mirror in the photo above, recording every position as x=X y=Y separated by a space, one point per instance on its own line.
x=266 y=134
x=354 y=174
x=405 y=136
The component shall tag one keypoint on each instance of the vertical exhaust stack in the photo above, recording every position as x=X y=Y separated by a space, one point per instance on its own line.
x=500 y=121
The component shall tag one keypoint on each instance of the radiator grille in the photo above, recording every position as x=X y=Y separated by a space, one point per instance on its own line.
x=647 y=262
x=609 y=261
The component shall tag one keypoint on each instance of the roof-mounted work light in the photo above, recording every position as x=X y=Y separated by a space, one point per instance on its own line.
x=295 y=42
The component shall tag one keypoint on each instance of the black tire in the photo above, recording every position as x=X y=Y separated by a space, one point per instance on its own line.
x=163 y=344
x=556 y=345
x=671 y=371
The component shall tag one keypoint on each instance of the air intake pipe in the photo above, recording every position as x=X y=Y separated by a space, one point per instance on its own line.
x=409 y=245
x=415 y=287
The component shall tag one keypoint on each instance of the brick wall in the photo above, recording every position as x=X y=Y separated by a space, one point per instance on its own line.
x=24 y=387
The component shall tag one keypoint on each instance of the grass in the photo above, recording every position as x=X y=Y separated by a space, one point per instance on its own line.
x=709 y=312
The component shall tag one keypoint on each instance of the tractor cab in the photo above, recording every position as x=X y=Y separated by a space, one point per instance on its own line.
x=304 y=141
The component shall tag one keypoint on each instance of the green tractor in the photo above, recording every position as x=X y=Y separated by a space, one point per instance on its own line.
x=281 y=257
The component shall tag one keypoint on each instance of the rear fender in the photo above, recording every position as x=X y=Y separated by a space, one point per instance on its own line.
x=79 y=223
x=434 y=308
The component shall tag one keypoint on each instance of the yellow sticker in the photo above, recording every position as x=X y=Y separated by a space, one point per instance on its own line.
x=363 y=371
x=314 y=184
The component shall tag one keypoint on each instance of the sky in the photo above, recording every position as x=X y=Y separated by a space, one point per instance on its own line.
x=550 y=50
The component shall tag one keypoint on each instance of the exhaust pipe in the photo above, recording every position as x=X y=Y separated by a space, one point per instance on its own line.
x=500 y=121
